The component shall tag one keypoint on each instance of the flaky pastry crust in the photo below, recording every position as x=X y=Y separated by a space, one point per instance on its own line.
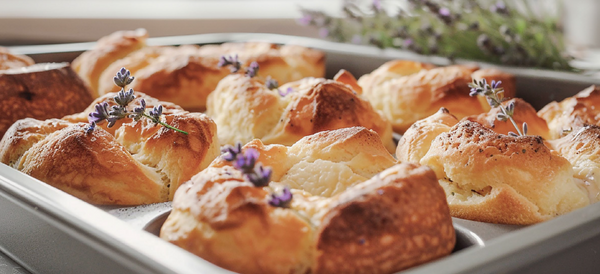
x=582 y=149
x=185 y=75
x=396 y=219
x=408 y=91
x=573 y=113
x=90 y=64
x=523 y=113
x=497 y=178
x=245 y=109
x=131 y=163
x=416 y=141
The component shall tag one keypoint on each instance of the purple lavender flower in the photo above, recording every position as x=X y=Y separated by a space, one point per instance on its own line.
x=407 y=43
x=123 y=97
x=286 y=92
x=252 y=70
x=138 y=112
x=305 y=20
x=444 y=12
x=499 y=8
x=100 y=113
x=230 y=61
x=261 y=175
x=156 y=112
x=230 y=153
x=246 y=160
x=90 y=127
x=377 y=5
x=282 y=200
x=271 y=83
x=323 y=32
x=123 y=78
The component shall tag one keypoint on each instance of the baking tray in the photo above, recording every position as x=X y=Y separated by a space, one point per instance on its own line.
x=48 y=231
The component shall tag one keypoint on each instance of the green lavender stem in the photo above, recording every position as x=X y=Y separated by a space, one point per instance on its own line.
x=164 y=124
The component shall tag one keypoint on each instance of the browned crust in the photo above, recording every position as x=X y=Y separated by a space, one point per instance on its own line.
x=186 y=75
x=131 y=163
x=523 y=112
x=573 y=113
x=314 y=105
x=416 y=141
x=389 y=223
x=330 y=105
x=90 y=64
x=45 y=94
x=497 y=172
x=94 y=168
x=345 y=77
x=404 y=99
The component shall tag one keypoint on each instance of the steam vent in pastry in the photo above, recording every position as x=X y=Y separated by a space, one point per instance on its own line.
x=185 y=75
x=493 y=177
x=407 y=91
x=334 y=202
x=130 y=163
x=245 y=108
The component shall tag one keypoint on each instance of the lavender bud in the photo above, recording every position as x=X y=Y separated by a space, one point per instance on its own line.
x=525 y=128
x=138 y=112
x=512 y=134
x=261 y=175
x=282 y=200
x=90 y=127
x=286 y=92
x=230 y=153
x=501 y=117
x=123 y=78
x=123 y=97
x=230 y=61
x=100 y=113
x=246 y=160
x=252 y=70
x=271 y=83
x=155 y=113
x=305 y=20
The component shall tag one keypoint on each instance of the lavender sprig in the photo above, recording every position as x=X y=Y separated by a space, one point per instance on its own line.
x=495 y=96
x=246 y=161
x=230 y=61
x=509 y=33
x=119 y=111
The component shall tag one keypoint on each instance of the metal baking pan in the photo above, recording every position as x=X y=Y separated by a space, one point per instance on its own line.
x=47 y=231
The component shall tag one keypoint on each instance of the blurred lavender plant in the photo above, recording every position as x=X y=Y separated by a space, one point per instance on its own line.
x=246 y=161
x=495 y=96
x=119 y=111
x=510 y=33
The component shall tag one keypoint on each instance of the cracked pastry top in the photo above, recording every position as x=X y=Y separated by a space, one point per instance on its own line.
x=185 y=75
x=573 y=113
x=492 y=177
x=131 y=163
x=245 y=109
x=407 y=91
x=353 y=210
